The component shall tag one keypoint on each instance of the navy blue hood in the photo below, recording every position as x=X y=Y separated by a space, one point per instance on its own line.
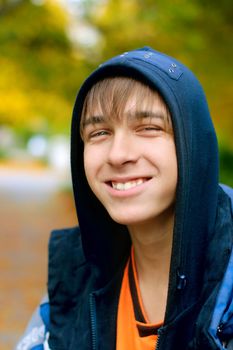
x=105 y=243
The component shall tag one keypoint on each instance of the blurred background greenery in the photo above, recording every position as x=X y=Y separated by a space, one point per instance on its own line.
x=48 y=47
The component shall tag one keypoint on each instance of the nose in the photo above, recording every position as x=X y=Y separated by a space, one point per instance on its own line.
x=122 y=150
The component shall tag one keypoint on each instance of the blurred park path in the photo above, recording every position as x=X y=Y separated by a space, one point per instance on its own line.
x=33 y=202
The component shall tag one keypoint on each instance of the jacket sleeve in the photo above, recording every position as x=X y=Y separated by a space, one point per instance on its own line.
x=36 y=334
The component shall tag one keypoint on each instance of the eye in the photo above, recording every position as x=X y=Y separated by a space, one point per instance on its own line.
x=149 y=129
x=97 y=135
x=152 y=127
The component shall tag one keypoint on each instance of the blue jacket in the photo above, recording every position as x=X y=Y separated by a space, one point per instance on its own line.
x=86 y=263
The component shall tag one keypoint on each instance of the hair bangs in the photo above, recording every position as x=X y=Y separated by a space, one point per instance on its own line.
x=108 y=97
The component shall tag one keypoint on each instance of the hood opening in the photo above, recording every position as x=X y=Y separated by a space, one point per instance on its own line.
x=105 y=242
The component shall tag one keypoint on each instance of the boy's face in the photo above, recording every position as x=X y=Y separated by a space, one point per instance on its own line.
x=131 y=163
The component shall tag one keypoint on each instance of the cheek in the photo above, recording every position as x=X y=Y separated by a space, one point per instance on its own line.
x=92 y=166
x=168 y=161
x=173 y=158
x=88 y=164
x=172 y=166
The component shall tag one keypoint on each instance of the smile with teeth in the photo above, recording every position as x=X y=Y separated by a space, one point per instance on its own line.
x=123 y=186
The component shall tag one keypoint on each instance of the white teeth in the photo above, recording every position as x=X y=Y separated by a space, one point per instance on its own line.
x=120 y=186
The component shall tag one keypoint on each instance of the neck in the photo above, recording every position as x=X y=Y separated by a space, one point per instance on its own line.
x=152 y=242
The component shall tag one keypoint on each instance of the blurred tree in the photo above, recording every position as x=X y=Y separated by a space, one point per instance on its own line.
x=7 y=5
x=40 y=73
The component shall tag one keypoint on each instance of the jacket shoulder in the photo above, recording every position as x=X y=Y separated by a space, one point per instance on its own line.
x=65 y=247
x=69 y=280
x=67 y=263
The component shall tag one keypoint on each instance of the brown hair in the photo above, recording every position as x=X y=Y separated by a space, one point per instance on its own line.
x=110 y=96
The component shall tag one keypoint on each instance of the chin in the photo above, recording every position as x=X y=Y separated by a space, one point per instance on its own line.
x=128 y=219
x=137 y=216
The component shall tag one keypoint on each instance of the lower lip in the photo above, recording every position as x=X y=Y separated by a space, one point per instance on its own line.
x=129 y=192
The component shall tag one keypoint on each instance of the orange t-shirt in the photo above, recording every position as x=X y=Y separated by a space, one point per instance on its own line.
x=134 y=332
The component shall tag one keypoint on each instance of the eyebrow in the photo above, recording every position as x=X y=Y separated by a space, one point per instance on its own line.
x=94 y=119
x=136 y=115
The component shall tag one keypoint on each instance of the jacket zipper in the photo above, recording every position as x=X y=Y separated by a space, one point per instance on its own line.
x=93 y=321
x=157 y=347
x=157 y=343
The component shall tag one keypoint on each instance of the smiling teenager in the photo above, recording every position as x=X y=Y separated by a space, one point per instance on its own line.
x=150 y=265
